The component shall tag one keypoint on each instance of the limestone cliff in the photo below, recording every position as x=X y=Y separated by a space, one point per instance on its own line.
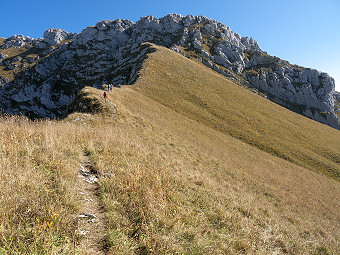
x=46 y=76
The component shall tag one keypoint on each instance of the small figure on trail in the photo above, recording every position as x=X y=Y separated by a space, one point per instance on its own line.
x=105 y=95
x=111 y=87
x=108 y=87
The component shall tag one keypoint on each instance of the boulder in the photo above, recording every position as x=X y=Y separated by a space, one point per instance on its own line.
x=2 y=56
x=197 y=45
x=12 y=66
x=3 y=80
x=54 y=36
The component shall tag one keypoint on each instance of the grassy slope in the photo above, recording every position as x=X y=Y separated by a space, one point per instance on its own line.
x=183 y=184
x=10 y=52
x=175 y=180
x=205 y=96
x=176 y=185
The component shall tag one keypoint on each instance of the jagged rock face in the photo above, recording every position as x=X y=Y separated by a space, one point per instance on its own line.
x=336 y=96
x=337 y=102
x=54 y=36
x=110 y=51
x=17 y=41
x=309 y=90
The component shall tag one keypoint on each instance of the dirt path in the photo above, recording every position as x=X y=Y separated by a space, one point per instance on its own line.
x=91 y=221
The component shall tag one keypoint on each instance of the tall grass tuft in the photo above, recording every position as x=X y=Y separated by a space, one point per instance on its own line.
x=38 y=166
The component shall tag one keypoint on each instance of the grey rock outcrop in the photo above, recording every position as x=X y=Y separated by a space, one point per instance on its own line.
x=304 y=90
x=112 y=51
x=3 y=80
x=17 y=41
x=54 y=36
x=12 y=66
x=2 y=56
x=336 y=96
x=337 y=102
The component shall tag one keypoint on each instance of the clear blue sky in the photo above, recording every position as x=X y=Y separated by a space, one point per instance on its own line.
x=304 y=32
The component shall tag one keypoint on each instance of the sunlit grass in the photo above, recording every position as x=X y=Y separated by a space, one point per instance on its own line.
x=38 y=166
x=190 y=164
x=209 y=98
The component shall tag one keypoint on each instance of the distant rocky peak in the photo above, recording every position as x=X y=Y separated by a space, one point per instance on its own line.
x=62 y=63
x=169 y=27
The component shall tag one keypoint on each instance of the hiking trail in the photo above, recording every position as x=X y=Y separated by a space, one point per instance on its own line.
x=113 y=107
x=91 y=221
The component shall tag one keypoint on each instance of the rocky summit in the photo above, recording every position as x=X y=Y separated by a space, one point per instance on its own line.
x=41 y=77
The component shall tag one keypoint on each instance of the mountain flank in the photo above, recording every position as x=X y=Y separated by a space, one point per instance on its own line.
x=192 y=163
x=233 y=110
x=40 y=77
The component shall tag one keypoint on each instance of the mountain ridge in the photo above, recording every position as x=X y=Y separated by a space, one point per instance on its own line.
x=191 y=163
x=105 y=53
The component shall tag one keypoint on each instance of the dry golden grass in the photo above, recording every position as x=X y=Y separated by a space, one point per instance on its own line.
x=181 y=184
x=209 y=98
x=177 y=186
x=38 y=167
x=178 y=175
x=10 y=52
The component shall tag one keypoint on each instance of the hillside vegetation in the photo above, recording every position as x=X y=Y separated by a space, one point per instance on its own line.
x=38 y=167
x=207 y=97
x=190 y=164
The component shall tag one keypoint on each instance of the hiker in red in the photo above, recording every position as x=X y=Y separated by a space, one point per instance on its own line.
x=105 y=95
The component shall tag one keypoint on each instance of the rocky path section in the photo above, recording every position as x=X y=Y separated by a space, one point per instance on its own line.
x=91 y=221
